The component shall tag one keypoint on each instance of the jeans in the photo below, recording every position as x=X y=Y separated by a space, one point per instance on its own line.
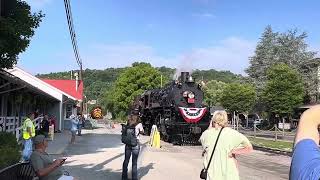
x=135 y=153
x=27 y=150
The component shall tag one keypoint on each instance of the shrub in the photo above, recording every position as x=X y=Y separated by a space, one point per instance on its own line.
x=9 y=150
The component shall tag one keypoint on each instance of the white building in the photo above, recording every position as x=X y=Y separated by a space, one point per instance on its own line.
x=22 y=93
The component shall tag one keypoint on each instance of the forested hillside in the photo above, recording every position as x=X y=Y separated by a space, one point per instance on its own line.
x=97 y=82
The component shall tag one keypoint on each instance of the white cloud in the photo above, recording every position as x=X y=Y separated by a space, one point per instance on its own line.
x=229 y=54
x=150 y=25
x=120 y=55
x=38 y=4
x=203 y=15
x=203 y=1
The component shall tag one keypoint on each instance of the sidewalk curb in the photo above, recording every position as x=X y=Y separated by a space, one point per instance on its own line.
x=270 y=150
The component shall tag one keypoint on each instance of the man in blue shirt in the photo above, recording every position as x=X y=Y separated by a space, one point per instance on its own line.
x=305 y=162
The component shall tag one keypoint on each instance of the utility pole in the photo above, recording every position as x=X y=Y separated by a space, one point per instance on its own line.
x=81 y=79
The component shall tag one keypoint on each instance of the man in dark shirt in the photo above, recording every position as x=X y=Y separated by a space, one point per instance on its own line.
x=306 y=154
x=45 y=126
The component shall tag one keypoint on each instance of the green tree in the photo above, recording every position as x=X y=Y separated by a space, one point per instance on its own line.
x=223 y=76
x=131 y=83
x=264 y=57
x=284 y=89
x=17 y=27
x=213 y=92
x=289 y=48
x=238 y=97
x=167 y=72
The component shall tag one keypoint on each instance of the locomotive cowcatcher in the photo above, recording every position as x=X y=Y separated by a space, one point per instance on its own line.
x=177 y=110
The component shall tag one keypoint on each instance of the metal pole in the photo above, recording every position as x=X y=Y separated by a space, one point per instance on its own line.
x=247 y=124
x=282 y=128
x=276 y=132
x=237 y=118
x=81 y=78
x=254 y=130
x=234 y=122
x=87 y=108
x=161 y=80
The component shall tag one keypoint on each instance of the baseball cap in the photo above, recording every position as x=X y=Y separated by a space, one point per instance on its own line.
x=39 y=139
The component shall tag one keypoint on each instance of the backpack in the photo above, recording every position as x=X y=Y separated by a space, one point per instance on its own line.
x=128 y=135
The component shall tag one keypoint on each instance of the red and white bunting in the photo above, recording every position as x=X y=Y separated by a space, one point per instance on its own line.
x=192 y=115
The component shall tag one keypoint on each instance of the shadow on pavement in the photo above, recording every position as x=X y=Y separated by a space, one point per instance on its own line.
x=83 y=172
x=100 y=166
x=142 y=171
x=93 y=143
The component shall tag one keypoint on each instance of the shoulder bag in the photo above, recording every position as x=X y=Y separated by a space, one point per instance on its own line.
x=204 y=171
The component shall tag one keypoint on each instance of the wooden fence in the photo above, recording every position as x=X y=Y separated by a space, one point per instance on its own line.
x=14 y=125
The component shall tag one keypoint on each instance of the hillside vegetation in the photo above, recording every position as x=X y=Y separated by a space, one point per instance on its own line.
x=98 y=82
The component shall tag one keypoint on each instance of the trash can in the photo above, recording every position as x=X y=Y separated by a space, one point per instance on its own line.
x=51 y=132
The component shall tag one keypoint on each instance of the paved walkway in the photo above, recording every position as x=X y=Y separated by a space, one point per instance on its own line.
x=99 y=154
x=60 y=143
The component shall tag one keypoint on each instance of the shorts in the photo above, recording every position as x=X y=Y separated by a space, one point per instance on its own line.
x=73 y=133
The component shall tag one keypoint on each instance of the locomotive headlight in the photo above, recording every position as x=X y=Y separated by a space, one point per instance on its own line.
x=191 y=95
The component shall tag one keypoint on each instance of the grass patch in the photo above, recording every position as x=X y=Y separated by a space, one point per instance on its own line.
x=279 y=145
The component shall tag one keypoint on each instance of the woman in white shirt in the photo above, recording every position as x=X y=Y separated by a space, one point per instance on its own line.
x=133 y=121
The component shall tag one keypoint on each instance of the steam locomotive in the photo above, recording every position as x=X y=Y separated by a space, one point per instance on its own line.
x=177 y=110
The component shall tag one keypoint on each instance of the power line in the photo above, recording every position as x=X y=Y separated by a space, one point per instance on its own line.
x=72 y=32
x=67 y=6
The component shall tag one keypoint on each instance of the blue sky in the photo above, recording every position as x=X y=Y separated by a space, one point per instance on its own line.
x=185 y=34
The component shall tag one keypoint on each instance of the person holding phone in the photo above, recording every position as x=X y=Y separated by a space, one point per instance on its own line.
x=46 y=168
x=305 y=163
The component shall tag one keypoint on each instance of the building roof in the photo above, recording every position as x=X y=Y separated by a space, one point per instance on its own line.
x=36 y=82
x=68 y=87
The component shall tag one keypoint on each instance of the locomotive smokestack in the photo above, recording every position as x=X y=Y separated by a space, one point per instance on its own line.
x=184 y=76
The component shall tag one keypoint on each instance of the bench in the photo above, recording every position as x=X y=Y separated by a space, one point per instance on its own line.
x=19 y=171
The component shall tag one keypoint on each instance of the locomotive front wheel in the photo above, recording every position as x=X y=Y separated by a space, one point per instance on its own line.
x=166 y=138
x=177 y=140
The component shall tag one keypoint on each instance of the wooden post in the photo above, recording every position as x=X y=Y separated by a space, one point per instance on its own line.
x=276 y=132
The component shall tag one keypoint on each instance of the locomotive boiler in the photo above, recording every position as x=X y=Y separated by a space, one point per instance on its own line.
x=176 y=109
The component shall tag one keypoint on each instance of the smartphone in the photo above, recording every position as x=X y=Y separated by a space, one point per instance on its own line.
x=63 y=160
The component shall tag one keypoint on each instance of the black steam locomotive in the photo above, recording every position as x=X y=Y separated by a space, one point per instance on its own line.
x=177 y=110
